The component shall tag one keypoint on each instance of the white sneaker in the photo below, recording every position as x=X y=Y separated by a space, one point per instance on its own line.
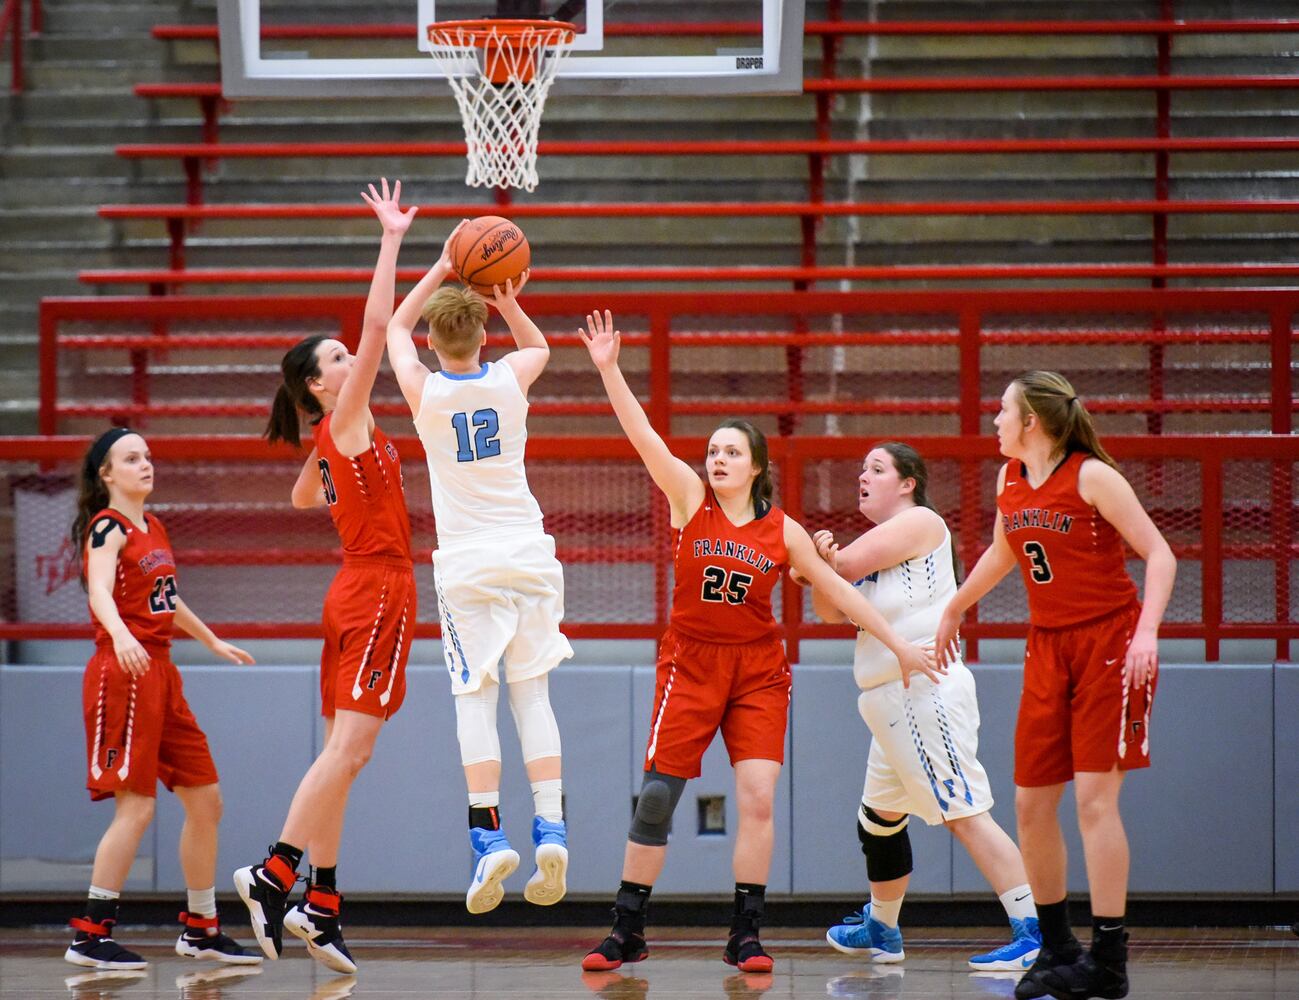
x=549 y=882
x=494 y=862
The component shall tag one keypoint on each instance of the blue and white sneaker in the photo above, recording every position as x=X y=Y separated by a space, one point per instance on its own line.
x=862 y=934
x=1018 y=956
x=548 y=883
x=494 y=862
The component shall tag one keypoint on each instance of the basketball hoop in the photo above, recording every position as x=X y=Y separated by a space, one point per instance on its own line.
x=500 y=72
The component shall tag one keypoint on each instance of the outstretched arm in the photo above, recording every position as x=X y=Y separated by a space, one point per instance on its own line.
x=352 y=422
x=532 y=353
x=997 y=560
x=679 y=483
x=406 y=365
x=804 y=558
x=190 y=623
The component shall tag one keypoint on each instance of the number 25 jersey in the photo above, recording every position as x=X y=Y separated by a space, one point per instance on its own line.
x=1070 y=556
x=474 y=431
x=725 y=574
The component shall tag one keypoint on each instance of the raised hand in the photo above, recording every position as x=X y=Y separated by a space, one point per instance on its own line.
x=444 y=260
x=601 y=339
x=505 y=294
x=386 y=207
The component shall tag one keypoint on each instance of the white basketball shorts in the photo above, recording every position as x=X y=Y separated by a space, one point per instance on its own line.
x=501 y=598
x=923 y=757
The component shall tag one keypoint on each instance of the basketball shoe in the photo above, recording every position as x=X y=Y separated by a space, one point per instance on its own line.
x=94 y=947
x=494 y=861
x=1030 y=985
x=265 y=891
x=1018 y=955
x=622 y=946
x=1092 y=975
x=862 y=934
x=548 y=883
x=315 y=920
x=202 y=939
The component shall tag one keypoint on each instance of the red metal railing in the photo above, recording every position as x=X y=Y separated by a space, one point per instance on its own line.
x=1209 y=525
x=11 y=20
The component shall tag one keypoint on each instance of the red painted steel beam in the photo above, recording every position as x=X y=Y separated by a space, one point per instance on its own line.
x=1033 y=84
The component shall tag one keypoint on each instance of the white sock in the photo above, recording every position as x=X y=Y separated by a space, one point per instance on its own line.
x=1019 y=902
x=98 y=893
x=485 y=800
x=886 y=910
x=202 y=902
x=548 y=799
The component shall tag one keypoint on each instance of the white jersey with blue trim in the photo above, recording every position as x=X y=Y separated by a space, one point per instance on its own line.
x=474 y=431
x=911 y=596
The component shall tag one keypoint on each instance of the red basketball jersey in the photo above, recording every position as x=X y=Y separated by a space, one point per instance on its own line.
x=1070 y=556
x=365 y=496
x=145 y=588
x=725 y=574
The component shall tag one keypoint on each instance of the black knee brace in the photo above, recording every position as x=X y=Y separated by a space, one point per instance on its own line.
x=886 y=845
x=659 y=795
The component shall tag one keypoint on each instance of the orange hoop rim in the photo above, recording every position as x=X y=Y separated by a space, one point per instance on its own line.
x=479 y=32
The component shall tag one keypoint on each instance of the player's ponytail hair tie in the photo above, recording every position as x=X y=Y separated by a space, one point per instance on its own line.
x=1071 y=400
x=99 y=450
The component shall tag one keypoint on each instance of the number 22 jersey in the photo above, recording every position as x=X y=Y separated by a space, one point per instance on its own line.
x=725 y=574
x=1070 y=556
x=144 y=589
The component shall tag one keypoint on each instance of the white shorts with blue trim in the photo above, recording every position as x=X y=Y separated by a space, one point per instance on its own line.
x=923 y=757
x=500 y=599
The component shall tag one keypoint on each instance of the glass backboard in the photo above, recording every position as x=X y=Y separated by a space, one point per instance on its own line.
x=294 y=48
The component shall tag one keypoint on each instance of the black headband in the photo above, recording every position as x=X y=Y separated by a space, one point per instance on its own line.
x=99 y=450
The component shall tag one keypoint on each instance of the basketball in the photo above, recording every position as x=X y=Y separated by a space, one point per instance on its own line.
x=490 y=251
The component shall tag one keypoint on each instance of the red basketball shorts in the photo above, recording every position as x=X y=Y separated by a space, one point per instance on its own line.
x=369 y=621
x=743 y=689
x=1075 y=713
x=140 y=730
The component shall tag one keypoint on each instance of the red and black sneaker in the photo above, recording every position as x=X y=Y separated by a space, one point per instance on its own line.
x=94 y=947
x=202 y=939
x=745 y=952
x=315 y=920
x=265 y=891
x=621 y=946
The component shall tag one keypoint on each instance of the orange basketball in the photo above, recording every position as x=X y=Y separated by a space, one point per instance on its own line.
x=490 y=251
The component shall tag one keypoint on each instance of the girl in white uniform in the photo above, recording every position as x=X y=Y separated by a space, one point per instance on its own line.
x=924 y=734
x=500 y=589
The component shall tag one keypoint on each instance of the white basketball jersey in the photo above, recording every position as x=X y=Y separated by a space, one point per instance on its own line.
x=911 y=596
x=474 y=430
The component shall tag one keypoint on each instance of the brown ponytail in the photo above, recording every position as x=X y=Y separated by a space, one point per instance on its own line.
x=92 y=494
x=293 y=397
x=1064 y=417
x=763 y=488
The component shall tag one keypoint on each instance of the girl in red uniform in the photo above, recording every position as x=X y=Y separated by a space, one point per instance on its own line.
x=1063 y=513
x=369 y=614
x=139 y=728
x=721 y=663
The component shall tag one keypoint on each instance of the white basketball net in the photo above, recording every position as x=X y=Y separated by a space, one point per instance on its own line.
x=501 y=119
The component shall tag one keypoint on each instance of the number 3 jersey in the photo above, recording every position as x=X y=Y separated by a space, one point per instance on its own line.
x=725 y=574
x=474 y=431
x=145 y=588
x=1070 y=556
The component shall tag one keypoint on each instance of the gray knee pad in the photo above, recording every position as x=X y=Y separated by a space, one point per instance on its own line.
x=659 y=795
x=885 y=843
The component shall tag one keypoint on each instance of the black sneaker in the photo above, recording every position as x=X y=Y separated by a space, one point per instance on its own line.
x=265 y=896
x=745 y=952
x=619 y=947
x=1090 y=976
x=202 y=939
x=1030 y=985
x=315 y=920
x=95 y=948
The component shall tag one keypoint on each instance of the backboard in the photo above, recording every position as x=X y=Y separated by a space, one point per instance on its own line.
x=291 y=48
